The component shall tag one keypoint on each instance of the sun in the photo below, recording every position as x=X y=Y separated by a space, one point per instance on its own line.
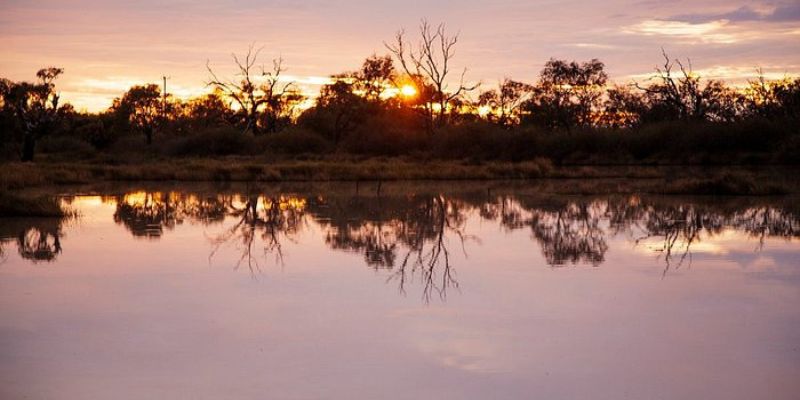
x=408 y=91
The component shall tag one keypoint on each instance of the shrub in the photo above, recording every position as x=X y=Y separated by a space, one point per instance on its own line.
x=96 y=134
x=293 y=141
x=212 y=142
x=63 y=144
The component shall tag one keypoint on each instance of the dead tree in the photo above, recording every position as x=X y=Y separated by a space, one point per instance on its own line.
x=428 y=65
x=258 y=93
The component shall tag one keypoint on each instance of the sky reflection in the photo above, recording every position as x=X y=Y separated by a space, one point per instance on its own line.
x=554 y=297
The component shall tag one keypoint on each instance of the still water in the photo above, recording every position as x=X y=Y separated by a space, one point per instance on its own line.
x=407 y=291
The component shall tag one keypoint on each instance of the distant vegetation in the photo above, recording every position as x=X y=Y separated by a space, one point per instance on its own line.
x=414 y=103
x=13 y=205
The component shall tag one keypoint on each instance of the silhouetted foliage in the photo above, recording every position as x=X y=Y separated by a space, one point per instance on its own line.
x=567 y=95
x=504 y=104
x=573 y=114
x=32 y=108
x=141 y=108
x=265 y=102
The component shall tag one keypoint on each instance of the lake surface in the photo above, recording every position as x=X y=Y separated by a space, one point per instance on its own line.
x=407 y=291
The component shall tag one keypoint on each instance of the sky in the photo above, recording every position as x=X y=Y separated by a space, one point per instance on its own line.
x=106 y=46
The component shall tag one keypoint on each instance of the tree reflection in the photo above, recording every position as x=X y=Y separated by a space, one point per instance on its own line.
x=257 y=218
x=145 y=214
x=567 y=232
x=270 y=219
x=407 y=236
x=148 y=214
x=37 y=239
x=576 y=231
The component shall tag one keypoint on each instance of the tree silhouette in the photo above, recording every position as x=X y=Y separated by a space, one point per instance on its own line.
x=567 y=95
x=428 y=65
x=260 y=95
x=505 y=103
x=141 y=107
x=34 y=106
x=338 y=111
x=683 y=96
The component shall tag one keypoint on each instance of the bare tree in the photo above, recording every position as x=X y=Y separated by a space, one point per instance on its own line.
x=683 y=96
x=259 y=93
x=428 y=65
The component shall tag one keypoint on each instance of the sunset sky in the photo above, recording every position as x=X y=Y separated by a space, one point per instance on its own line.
x=107 y=46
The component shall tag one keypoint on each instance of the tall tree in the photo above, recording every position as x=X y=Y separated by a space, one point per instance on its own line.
x=682 y=95
x=568 y=94
x=429 y=65
x=141 y=107
x=260 y=94
x=35 y=107
x=377 y=74
x=504 y=103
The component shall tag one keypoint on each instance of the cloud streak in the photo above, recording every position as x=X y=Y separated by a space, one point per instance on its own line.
x=789 y=12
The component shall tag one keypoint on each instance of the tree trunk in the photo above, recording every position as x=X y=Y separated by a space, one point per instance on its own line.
x=149 y=133
x=28 y=147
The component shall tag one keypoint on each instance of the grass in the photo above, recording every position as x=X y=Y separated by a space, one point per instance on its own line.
x=14 y=205
x=22 y=175
x=643 y=179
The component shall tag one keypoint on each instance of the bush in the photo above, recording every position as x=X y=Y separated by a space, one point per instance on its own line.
x=293 y=141
x=212 y=142
x=63 y=144
x=384 y=136
x=96 y=134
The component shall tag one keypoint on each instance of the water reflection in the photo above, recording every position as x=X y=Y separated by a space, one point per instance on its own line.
x=407 y=236
x=260 y=220
x=36 y=239
x=540 y=289
x=411 y=235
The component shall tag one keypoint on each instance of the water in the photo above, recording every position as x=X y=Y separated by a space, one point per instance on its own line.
x=447 y=291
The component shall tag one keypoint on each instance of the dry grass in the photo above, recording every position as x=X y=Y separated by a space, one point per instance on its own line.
x=19 y=175
x=14 y=205
x=575 y=179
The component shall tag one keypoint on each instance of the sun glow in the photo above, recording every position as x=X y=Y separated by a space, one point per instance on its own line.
x=408 y=91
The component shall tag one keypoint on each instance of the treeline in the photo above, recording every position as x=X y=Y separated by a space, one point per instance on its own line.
x=413 y=102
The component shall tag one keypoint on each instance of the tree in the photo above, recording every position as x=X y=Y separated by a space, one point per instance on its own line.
x=352 y=98
x=684 y=97
x=622 y=108
x=770 y=99
x=428 y=66
x=568 y=94
x=338 y=110
x=208 y=110
x=377 y=74
x=261 y=97
x=141 y=107
x=34 y=106
x=504 y=103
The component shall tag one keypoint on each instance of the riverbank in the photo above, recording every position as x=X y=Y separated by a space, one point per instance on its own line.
x=719 y=180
